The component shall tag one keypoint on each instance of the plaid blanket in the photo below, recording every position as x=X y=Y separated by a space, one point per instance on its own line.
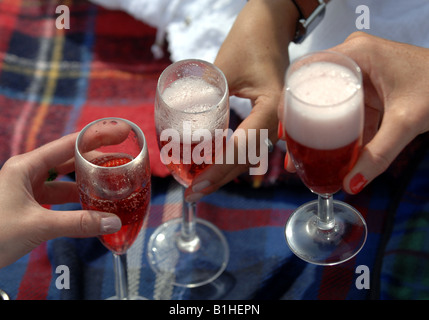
x=405 y=270
x=55 y=81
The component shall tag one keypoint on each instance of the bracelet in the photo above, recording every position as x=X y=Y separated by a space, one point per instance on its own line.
x=301 y=16
x=307 y=24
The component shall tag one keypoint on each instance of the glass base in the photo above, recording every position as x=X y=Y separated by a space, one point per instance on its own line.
x=326 y=246
x=4 y=295
x=188 y=264
x=130 y=298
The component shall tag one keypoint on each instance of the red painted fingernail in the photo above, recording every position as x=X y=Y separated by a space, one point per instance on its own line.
x=357 y=183
x=286 y=161
x=280 y=131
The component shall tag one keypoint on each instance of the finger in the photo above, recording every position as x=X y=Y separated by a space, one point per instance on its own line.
x=227 y=167
x=281 y=133
x=57 y=192
x=212 y=179
x=65 y=167
x=59 y=153
x=392 y=137
x=52 y=154
x=372 y=118
x=288 y=164
x=104 y=133
x=78 y=224
x=243 y=146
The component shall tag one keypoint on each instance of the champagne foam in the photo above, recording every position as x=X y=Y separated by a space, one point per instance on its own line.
x=324 y=106
x=193 y=104
x=192 y=94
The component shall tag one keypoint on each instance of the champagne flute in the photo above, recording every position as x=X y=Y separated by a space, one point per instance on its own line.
x=191 y=97
x=113 y=175
x=323 y=116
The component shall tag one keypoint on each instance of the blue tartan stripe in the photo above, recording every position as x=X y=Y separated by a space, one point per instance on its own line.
x=86 y=56
x=105 y=66
x=405 y=272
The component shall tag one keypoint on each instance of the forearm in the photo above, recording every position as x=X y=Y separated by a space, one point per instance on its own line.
x=271 y=22
x=261 y=33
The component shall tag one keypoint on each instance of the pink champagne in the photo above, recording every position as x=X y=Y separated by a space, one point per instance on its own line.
x=197 y=102
x=323 y=171
x=186 y=173
x=324 y=123
x=131 y=209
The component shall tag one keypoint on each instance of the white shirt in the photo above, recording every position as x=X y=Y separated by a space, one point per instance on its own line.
x=399 y=20
x=196 y=29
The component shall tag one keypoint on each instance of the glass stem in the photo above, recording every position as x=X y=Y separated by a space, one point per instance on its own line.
x=325 y=212
x=121 y=275
x=189 y=240
x=188 y=228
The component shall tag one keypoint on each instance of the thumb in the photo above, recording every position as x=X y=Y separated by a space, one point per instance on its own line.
x=378 y=154
x=80 y=224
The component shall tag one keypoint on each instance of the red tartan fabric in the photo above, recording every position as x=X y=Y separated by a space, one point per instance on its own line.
x=55 y=81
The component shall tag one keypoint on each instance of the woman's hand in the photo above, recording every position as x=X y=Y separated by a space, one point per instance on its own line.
x=396 y=86
x=254 y=58
x=24 y=222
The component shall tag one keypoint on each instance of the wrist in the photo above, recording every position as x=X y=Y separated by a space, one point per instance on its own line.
x=311 y=13
x=282 y=16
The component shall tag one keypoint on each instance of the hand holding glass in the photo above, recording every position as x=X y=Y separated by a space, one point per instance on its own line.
x=323 y=117
x=191 y=97
x=113 y=175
